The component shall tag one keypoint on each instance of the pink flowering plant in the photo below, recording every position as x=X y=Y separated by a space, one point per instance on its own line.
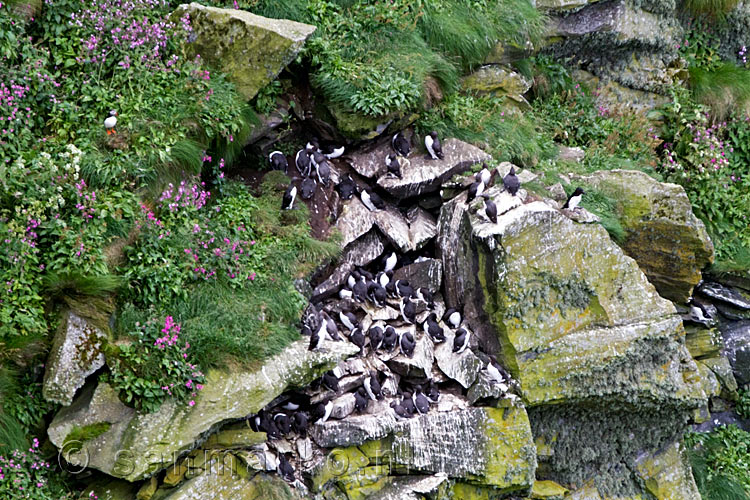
x=26 y=475
x=154 y=364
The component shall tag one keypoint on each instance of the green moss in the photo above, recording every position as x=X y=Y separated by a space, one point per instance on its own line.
x=86 y=433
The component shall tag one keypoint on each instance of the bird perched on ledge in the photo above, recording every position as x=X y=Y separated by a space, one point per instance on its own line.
x=110 y=122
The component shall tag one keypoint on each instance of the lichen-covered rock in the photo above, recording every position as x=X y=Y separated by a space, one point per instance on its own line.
x=496 y=79
x=611 y=95
x=735 y=297
x=549 y=490
x=252 y=50
x=111 y=490
x=425 y=175
x=353 y=221
x=225 y=485
x=702 y=342
x=422 y=227
x=485 y=446
x=667 y=474
x=137 y=445
x=463 y=368
x=420 y=363
x=575 y=317
x=662 y=234
x=75 y=354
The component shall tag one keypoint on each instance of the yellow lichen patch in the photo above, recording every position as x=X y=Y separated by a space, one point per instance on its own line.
x=511 y=455
x=339 y=463
x=549 y=490
x=667 y=474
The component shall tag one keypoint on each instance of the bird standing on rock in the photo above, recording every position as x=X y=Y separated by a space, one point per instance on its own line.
x=511 y=182
x=287 y=203
x=330 y=381
x=285 y=469
x=432 y=329
x=360 y=400
x=475 y=189
x=308 y=188
x=484 y=175
x=389 y=262
x=393 y=165
x=376 y=337
x=432 y=143
x=346 y=188
x=302 y=162
x=490 y=209
x=283 y=422
x=400 y=144
x=300 y=422
x=371 y=200
x=278 y=161
x=348 y=319
x=461 y=340
x=407 y=344
x=322 y=411
x=111 y=122
x=357 y=338
x=408 y=310
x=390 y=339
x=574 y=199
x=453 y=317
x=421 y=403
x=376 y=294
x=372 y=386
x=322 y=168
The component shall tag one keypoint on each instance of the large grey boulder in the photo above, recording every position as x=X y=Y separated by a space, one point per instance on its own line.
x=425 y=175
x=427 y=274
x=136 y=445
x=662 y=234
x=75 y=354
x=358 y=253
x=252 y=50
x=354 y=220
x=737 y=349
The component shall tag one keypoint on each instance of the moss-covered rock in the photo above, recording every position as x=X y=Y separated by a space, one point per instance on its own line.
x=75 y=354
x=662 y=234
x=137 y=445
x=667 y=474
x=252 y=50
x=224 y=485
x=498 y=80
x=486 y=446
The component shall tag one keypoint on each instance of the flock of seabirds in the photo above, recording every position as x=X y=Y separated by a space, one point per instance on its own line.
x=376 y=290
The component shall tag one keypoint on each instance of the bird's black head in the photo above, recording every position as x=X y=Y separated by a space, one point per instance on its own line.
x=433 y=134
x=512 y=171
x=578 y=191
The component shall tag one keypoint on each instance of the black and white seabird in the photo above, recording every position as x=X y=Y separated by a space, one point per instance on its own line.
x=110 y=122
x=357 y=338
x=361 y=400
x=278 y=161
x=295 y=401
x=498 y=373
x=346 y=188
x=403 y=289
x=316 y=338
x=421 y=403
x=432 y=143
x=390 y=339
x=285 y=469
x=376 y=294
x=432 y=392
x=484 y=175
x=287 y=203
x=452 y=317
x=400 y=411
x=574 y=199
x=390 y=261
x=384 y=278
x=461 y=340
x=407 y=344
x=372 y=386
x=345 y=294
x=307 y=189
x=400 y=144
x=322 y=411
x=300 y=422
x=432 y=328
x=490 y=209
x=425 y=296
x=352 y=279
x=407 y=401
x=283 y=422
x=330 y=381
x=475 y=189
x=393 y=165
x=698 y=312
x=330 y=326
x=332 y=152
x=371 y=200
x=377 y=336
x=348 y=319
x=360 y=289
x=511 y=182
x=323 y=170
x=408 y=310
x=312 y=145
x=302 y=161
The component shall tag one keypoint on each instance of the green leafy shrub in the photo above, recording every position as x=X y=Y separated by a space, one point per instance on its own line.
x=721 y=460
x=715 y=9
x=743 y=405
x=155 y=366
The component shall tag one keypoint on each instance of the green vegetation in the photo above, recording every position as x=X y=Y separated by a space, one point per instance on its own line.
x=721 y=460
x=743 y=405
x=86 y=433
x=376 y=57
x=723 y=89
x=713 y=9
x=27 y=475
x=491 y=123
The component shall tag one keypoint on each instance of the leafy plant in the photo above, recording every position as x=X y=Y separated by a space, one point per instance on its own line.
x=154 y=366
x=743 y=405
x=720 y=462
x=27 y=475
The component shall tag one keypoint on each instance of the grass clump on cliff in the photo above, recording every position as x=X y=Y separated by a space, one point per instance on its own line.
x=724 y=89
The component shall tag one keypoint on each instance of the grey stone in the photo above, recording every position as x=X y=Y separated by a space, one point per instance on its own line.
x=420 y=364
x=463 y=367
x=75 y=354
x=422 y=227
x=343 y=406
x=252 y=50
x=352 y=431
x=727 y=294
x=565 y=153
x=138 y=445
x=484 y=388
x=423 y=175
x=581 y=215
x=557 y=192
x=425 y=274
x=394 y=227
x=737 y=349
x=354 y=221
x=358 y=253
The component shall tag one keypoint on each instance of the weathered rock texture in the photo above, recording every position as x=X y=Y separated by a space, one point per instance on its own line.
x=251 y=49
x=138 y=445
x=663 y=235
x=76 y=353
x=487 y=446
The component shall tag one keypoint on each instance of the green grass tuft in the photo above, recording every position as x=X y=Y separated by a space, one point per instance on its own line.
x=713 y=486
x=86 y=433
x=57 y=284
x=716 y=9
x=603 y=207
x=725 y=89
